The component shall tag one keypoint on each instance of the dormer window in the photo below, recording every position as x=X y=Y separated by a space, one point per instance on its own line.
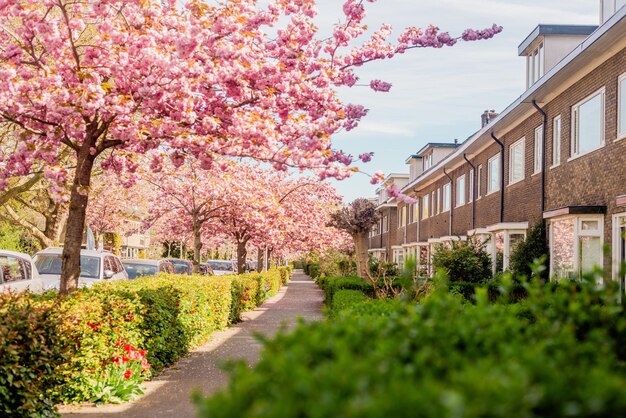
x=535 y=64
x=609 y=8
x=428 y=161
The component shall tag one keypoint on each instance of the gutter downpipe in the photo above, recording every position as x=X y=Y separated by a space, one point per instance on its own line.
x=501 y=176
x=543 y=155
x=451 y=202
x=473 y=190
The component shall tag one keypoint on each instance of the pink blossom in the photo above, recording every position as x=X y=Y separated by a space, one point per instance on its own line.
x=379 y=85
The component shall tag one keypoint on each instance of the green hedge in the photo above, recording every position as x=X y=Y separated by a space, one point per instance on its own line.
x=330 y=285
x=344 y=299
x=559 y=353
x=160 y=318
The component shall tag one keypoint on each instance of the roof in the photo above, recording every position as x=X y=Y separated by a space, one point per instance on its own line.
x=436 y=145
x=15 y=254
x=59 y=250
x=142 y=261
x=543 y=30
x=606 y=40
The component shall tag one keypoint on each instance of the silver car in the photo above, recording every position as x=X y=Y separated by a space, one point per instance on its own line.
x=17 y=272
x=95 y=266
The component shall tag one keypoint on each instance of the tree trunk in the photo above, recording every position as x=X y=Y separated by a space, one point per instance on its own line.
x=259 y=260
x=70 y=270
x=241 y=256
x=362 y=259
x=197 y=247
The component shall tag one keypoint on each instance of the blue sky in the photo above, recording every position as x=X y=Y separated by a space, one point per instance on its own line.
x=439 y=95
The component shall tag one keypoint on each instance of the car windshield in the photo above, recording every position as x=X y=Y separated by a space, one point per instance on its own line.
x=135 y=270
x=221 y=265
x=51 y=264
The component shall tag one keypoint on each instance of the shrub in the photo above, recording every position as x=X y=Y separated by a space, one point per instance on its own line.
x=529 y=251
x=330 y=285
x=344 y=299
x=464 y=261
x=314 y=271
x=442 y=358
x=31 y=349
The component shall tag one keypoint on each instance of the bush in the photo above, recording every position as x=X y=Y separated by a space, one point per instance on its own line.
x=529 y=251
x=314 y=271
x=330 y=285
x=116 y=335
x=30 y=352
x=344 y=299
x=464 y=261
x=444 y=358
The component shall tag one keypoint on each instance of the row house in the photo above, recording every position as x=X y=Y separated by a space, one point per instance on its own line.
x=557 y=154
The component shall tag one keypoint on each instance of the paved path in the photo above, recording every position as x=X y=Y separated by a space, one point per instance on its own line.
x=168 y=394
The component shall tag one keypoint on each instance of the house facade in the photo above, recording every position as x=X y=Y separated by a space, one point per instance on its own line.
x=556 y=155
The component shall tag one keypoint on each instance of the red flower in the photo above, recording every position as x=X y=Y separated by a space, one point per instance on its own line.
x=128 y=373
x=144 y=364
x=128 y=347
x=116 y=360
x=142 y=352
x=125 y=359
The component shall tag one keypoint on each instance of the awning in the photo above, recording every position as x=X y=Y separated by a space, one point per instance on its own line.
x=574 y=210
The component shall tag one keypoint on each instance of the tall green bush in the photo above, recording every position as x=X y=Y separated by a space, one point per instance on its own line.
x=530 y=251
x=463 y=261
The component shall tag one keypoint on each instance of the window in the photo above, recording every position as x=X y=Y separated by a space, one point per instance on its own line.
x=493 y=179
x=621 y=107
x=437 y=202
x=460 y=191
x=610 y=7
x=538 y=149
x=446 y=197
x=479 y=191
x=556 y=141
x=588 y=124
x=385 y=223
x=535 y=65
x=425 y=206
x=470 y=196
x=575 y=245
x=403 y=216
x=516 y=161
x=416 y=212
x=428 y=161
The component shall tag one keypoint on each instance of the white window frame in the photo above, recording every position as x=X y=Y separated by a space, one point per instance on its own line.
x=426 y=206
x=535 y=65
x=557 y=136
x=538 y=149
x=520 y=142
x=385 y=224
x=436 y=198
x=489 y=175
x=479 y=177
x=460 y=195
x=446 y=203
x=574 y=128
x=578 y=232
x=416 y=212
x=470 y=197
x=618 y=220
x=506 y=251
x=621 y=107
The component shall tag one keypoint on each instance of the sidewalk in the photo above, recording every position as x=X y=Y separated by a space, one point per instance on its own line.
x=168 y=395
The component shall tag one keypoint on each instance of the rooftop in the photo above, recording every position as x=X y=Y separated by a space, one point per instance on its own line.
x=543 y=30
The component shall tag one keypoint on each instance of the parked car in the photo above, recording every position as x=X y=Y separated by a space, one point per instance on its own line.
x=18 y=272
x=95 y=266
x=139 y=268
x=205 y=268
x=181 y=266
x=221 y=267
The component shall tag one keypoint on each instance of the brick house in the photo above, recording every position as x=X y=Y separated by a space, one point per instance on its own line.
x=556 y=154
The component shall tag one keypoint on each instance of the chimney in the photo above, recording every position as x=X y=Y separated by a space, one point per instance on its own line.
x=487 y=117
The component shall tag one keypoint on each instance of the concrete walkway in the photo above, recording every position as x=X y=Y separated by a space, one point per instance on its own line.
x=168 y=395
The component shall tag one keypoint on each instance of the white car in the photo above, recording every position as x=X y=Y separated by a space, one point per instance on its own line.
x=222 y=267
x=17 y=272
x=95 y=266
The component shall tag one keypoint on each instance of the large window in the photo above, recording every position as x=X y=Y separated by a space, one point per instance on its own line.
x=556 y=141
x=479 y=181
x=621 y=107
x=493 y=176
x=460 y=191
x=575 y=245
x=588 y=124
x=470 y=196
x=437 y=202
x=425 y=206
x=516 y=161
x=538 y=149
x=416 y=216
x=446 y=197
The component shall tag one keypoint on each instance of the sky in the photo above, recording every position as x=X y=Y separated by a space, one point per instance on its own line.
x=439 y=94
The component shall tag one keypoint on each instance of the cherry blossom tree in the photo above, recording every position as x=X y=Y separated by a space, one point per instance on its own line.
x=136 y=75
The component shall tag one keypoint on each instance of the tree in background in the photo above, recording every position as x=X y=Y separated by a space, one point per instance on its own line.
x=358 y=219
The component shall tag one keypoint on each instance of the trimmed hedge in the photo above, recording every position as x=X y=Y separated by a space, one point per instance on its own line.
x=165 y=315
x=558 y=353
x=344 y=299
x=330 y=285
